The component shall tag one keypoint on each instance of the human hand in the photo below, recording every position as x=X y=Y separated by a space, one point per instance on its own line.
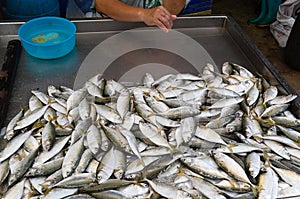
x=160 y=17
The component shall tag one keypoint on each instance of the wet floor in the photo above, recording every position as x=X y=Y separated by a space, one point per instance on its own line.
x=241 y=11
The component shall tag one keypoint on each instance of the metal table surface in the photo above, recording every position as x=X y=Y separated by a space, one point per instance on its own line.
x=210 y=38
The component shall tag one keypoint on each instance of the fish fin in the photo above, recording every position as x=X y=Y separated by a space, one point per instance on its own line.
x=38 y=124
x=298 y=141
x=255 y=190
x=142 y=162
x=46 y=188
x=258 y=138
x=230 y=146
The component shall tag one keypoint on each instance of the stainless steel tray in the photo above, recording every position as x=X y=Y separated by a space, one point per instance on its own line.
x=219 y=38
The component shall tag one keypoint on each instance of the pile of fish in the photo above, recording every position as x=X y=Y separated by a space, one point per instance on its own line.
x=227 y=134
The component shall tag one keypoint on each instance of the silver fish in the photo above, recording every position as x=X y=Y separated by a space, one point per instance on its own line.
x=48 y=136
x=226 y=102
x=94 y=139
x=253 y=94
x=123 y=103
x=76 y=180
x=180 y=112
x=132 y=141
x=44 y=98
x=206 y=188
x=22 y=167
x=120 y=164
x=47 y=155
x=10 y=133
x=84 y=109
x=93 y=89
x=108 y=113
x=4 y=170
x=152 y=133
x=231 y=166
x=46 y=168
x=31 y=118
x=16 y=191
x=165 y=190
x=282 y=99
x=267 y=184
x=72 y=157
x=270 y=93
x=106 y=166
x=85 y=159
x=117 y=138
x=209 y=135
x=148 y=80
x=60 y=193
x=14 y=144
x=278 y=148
x=107 y=185
x=109 y=194
x=290 y=133
x=274 y=110
x=75 y=98
x=205 y=166
x=253 y=164
x=136 y=190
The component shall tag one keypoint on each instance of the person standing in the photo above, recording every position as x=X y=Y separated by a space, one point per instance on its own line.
x=160 y=13
x=151 y=12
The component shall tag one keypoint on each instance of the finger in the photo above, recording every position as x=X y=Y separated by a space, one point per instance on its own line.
x=168 y=22
x=162 y=26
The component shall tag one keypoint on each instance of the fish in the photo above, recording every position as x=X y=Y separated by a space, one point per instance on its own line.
x=106 y=166
x=10 y=132
x=4 y=171
x=226 y=102
x=120 y=164
x=76 y=181
x=48 y=136
x=94 y=139
x=180 y=112
x=14 y=144
x=21 y=167
x=16 y=191
x=205 y=166
x=206 y=188
x=47 y=155
x=84 y=161
x=75 y=98
x=253 y=163
x=152 y=133
x=72 y=157
x=231 y=166
x=109 y=194
x=208 y=135
x=46 y=168
x=267 y=184
x=30 y=118
x=108 y=113
x=269 y=94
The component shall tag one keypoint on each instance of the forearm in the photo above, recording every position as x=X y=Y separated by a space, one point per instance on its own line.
x=119 y=11
x=159 y=16
x=174 y=6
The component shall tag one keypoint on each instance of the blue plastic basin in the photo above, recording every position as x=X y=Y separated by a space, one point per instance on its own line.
x=48 y=37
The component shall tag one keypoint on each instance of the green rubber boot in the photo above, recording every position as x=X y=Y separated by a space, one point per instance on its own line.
x=263 y=12
x=270 y=17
